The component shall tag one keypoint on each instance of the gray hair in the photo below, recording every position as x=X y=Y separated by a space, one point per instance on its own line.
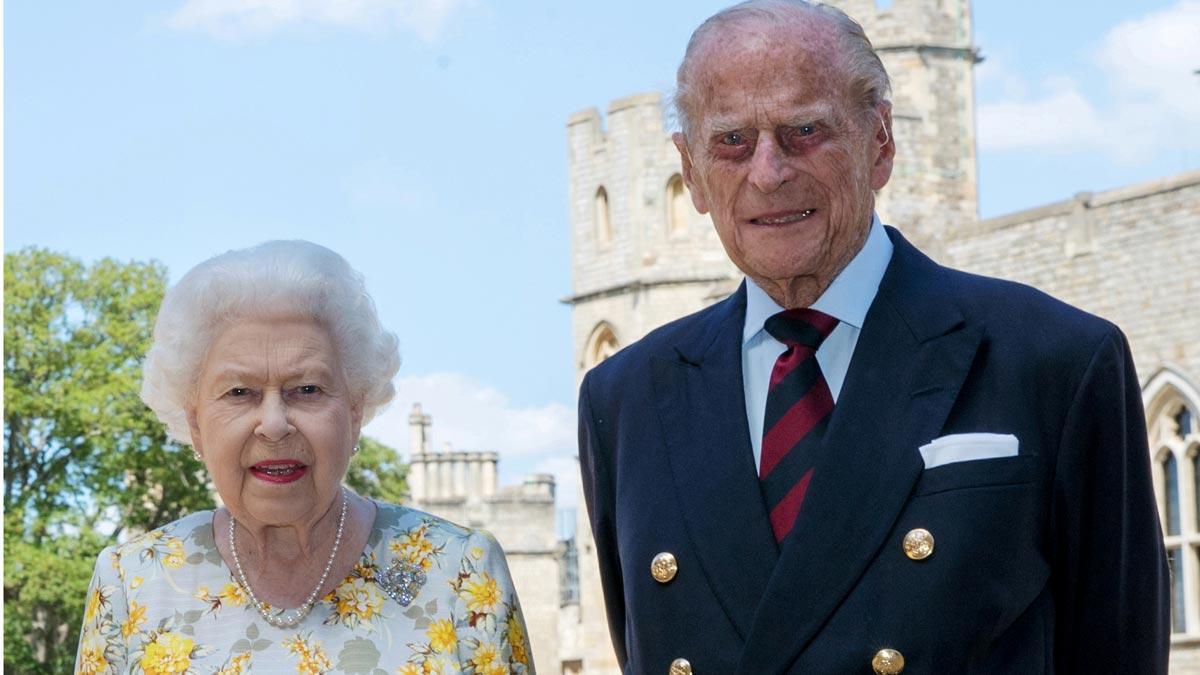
x=866 y=77
x=274 y=279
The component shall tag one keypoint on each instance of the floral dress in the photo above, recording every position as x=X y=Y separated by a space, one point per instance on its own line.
x=165 y=602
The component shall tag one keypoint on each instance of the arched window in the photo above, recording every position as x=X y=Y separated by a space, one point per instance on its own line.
x=604 y=233
x=600 y=345
x=1170 y=478
x=679 y=205
x=1171 y=403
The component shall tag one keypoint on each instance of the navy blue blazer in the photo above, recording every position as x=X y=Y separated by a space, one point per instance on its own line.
x=1047 y=562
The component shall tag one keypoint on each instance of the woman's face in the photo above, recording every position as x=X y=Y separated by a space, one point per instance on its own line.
x=274 y=421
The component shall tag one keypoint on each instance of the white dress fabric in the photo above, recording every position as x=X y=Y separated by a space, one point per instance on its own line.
x=166 y=603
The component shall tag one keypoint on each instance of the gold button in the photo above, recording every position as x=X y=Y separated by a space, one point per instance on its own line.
x=918 y=544
x=679 y=666
x=663 y=569
x=888 y=661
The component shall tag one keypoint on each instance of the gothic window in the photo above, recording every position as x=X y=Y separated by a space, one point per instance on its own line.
x=604 y=233
x=1171 y=403
x=601 y=345
x=1170 y=477
x=678 y=205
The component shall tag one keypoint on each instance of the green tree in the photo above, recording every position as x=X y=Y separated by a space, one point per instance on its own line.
x=80 y=448
x=376 y=471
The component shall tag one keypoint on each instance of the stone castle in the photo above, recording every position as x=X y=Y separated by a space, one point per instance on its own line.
x=642 y=256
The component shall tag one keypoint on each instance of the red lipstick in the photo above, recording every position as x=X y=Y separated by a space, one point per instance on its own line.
x=278 y=470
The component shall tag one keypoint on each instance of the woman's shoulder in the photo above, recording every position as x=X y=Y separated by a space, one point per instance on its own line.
x=392 y=520
x=173 y=537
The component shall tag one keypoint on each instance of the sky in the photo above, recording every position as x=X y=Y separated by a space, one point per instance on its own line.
x=424 y=140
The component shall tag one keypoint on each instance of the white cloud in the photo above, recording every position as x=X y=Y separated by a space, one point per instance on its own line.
x=566 y=479
x=471 y=415
x=1151 y=106
x=239 y=18
x=1064 y=120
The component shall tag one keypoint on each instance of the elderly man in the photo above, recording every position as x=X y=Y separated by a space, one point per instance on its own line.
x=860 y=459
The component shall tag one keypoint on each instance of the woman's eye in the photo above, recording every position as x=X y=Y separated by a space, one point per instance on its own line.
x=239 y=391
x=733 y=138
x=308 y=389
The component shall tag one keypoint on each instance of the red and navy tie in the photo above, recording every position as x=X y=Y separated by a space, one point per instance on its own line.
x=798 y=408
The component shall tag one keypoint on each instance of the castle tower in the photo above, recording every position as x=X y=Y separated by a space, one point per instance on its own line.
x=641 y=255
x=927 y=48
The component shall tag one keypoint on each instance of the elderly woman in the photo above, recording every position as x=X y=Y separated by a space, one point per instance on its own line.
x=268 y=361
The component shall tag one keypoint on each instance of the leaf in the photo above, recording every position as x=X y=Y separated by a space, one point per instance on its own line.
x=414 y=612
x=240 y=646
x=188 y=630
x=431 y=607
x=421 y=623
x=260 y=645
x=252 y=631
x=358 y=657
x=195 y=558
x=192 y=616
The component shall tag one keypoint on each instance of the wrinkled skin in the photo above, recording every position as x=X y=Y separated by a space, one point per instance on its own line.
x=781 y=155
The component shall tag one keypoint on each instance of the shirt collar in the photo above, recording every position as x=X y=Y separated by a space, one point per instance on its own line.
x=849 y=296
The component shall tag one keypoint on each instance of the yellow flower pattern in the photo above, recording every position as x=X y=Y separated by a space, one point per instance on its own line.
x=92 y=660
x=442 y=637
x=313 y=660
x=238 y=665
x=357 y=602
x=480 y=593
x=137 y=616
x=165 y=603
x=168 y=654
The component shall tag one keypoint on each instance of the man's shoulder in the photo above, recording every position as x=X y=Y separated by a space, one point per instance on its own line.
x=1011 y=306
x=1001 y=307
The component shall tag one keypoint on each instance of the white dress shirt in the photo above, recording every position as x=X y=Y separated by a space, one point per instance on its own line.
x=847 y=300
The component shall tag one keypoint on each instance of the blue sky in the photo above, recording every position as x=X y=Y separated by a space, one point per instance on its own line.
x=424 y=140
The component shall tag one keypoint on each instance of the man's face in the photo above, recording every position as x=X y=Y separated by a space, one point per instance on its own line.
x=780 y=155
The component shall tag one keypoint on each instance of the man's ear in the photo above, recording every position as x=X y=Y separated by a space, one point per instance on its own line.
x=685 y=159
x=885 y=143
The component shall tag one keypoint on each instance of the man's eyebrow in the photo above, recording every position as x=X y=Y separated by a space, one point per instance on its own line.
x=807 y=114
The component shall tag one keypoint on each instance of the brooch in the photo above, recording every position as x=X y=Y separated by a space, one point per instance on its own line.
x=402 y=581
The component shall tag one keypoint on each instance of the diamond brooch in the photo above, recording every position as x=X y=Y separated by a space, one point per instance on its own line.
x=402 y=581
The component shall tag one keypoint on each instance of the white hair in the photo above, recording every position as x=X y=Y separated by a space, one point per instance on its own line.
x=866 y=78
x=274 y=279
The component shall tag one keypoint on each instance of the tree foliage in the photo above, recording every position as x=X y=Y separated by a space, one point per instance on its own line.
x=376 y=471
x=77 y=438
x=80 y=448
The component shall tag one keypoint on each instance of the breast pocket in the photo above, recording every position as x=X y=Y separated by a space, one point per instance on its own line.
x=978 y=473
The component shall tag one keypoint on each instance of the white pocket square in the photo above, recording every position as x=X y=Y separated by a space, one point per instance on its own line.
x=966 y=447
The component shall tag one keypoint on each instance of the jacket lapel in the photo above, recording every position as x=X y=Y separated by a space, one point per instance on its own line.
x=702 y=409
x=911 y=359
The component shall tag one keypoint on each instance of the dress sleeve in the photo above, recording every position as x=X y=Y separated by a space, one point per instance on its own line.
x=101 y=642
x=1110 y=569
x=492 y=637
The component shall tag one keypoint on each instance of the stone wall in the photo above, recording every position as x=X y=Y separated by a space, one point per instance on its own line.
x=1130 y=255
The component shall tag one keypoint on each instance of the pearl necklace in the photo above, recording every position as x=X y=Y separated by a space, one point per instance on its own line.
x=290 y=617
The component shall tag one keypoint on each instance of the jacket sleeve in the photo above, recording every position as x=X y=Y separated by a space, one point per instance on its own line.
x=1110 y=570
x=596 y=469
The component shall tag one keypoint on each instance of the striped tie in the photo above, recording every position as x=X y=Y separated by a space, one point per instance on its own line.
x=798 y=409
